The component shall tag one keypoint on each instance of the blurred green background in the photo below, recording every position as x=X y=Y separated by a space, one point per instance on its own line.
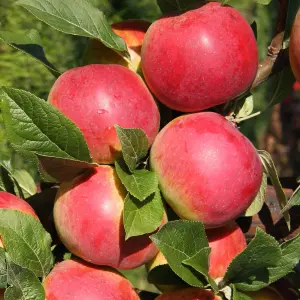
x=65 y=52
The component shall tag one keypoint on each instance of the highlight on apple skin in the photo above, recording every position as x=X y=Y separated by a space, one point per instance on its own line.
x=294 y=47
x=72 y=279
x=201 y=58
x=88 y=218
x=132 y=32
x=97 y=97
x=189 y=294
x=212 y=175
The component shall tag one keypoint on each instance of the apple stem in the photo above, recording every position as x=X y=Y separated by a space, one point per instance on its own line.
x=248 y=117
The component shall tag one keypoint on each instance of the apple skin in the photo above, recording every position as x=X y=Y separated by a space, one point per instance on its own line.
x=212 y=174
x=265 y=294
x=88 y=218
x=225 y=243
x=71 y=280
x=132 y=32
x=294 y=47
x=96 y=97
x=201 y=58
x=189 y=294
x=10 y=201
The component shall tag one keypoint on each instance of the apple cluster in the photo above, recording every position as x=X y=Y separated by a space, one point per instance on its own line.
x=207 y=170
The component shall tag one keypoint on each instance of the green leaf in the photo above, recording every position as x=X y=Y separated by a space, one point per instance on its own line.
x=24 y=285
x=245 y=108
x=6 y=182
x=77 y=17
x=200 y=262
x=178 y=241
x=237 y=295
x=293 y=7
x=259 y=200
x=26 y=241
x=3 y=269
x=142 y=217
x=264 y=2
x=168 y=6
x=270 y=169
x=29 y=43
x=294 y=200
x=140 y=184
x=262 y=252
x=134 y=143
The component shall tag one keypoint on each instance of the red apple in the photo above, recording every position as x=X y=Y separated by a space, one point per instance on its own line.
x=265 y=294
x=189 y=294
x=10 y=201
x=225 y=243
x=207 y=170
x=294 y=48
x=96 y=97
x=88 y=218
x=132 y=32
x=71 y=280
x=201 y=58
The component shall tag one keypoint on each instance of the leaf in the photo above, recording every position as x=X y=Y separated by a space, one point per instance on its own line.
x=294 y=200
x=142 y=217
x=178 y=241
x=77 y=17
x=293 y=7
x=237 y=295
x=264 y=2
x=262 y=252
x=140 y=184
x=270 y=169
x=6 y=182
x=245 y=108
x=26 y=241
x=24 y=285
x=31 y=44
x=200 y=262
x=134 y=143
x=3 y=269
x=169 y=6
x=34 y=125
x=259 y=200
x=25 y=182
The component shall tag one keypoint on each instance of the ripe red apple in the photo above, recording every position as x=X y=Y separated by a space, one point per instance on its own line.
x=88 y=217
x=225 y=243
x=294 y=48
x=96 y=97
x=265 y=294
x=207 y=170
x=71 y=280
x=201 y=58
x=189 y=294
x=10 y=201
x=132 y=32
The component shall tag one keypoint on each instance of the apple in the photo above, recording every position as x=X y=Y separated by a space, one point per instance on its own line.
x=96 y=97
x=225 y=243
x=72 y=279
x=265 y=294
x=132 y=32
x=294 y=48
x=201 y=58
x=88 y=218
x=207 y=170
x=10 y=201
x=189 y=294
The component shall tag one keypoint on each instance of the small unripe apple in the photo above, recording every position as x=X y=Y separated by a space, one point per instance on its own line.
x=294 y=47
x=132 y=32
x=70 y=280
x=207 y=170
x=265 y=294
x=201 y=58
x=189 y=294
x=96 y=97
x=13 y=202
x=88 y=217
